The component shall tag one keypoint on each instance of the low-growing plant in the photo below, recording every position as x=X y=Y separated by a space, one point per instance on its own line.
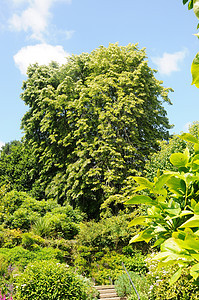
x=51 y=280
x=186 y=288
x=112 y=232
x=10 y=238
x=21 y=257
x=105 y=267
x=124 y=287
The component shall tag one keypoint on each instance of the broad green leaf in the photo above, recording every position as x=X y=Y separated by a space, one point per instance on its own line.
x=171 y=245
x=193 y=203
x=145 y=235
x=195 y=70
x=191 y=244
x=190 y=5
x=196 y=209
x=143 y=182
x=194 y=271
x=173 y=211
x=140 y=238
x=158 y=242
x=194 y=163
x=188 y=137
x=185 y=1
x=139 y=221
x=141 y=199
x=195 y=256
x=175 y=276
x=179 y=160
x=161 y=181
x=176 y=186
x=161 y=255
x=192 y=222
x=185 y=213
x=196 y=148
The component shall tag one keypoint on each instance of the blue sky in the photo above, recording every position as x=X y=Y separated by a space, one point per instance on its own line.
x=45 y=30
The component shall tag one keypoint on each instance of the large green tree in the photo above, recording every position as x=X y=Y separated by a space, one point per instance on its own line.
x=93 y=122
x=16 y=162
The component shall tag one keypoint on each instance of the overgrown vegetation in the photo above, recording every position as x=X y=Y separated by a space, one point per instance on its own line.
x=93 y=126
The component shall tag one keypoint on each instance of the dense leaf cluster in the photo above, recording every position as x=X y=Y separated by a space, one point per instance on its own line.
x=92 y=124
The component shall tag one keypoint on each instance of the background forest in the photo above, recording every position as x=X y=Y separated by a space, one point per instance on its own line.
x=92 y=126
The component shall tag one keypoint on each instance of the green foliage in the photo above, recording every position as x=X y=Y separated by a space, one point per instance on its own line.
x=10 y=238
x=186 y=288
x=91 y=125
x=47 y=218
x=106 y=265
x=20 y=257
x=50 y=280
x=16 y=163
x=124 y=287
x=195 y=64
x=111 y=232
x=161 y=159
x=172 y=218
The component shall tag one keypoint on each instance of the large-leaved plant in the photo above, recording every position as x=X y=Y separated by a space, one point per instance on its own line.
x=172 y=214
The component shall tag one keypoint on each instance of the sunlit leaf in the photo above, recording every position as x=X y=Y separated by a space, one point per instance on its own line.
x=194 y=271
x=139 y=221
x=192 y=222
x=143 y=182
x=188 y=137
x=175 y=276
x=141 y=199
x=195 y=70
x=179 y=160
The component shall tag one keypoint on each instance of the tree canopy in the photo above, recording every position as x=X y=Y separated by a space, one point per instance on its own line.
x=93 y=122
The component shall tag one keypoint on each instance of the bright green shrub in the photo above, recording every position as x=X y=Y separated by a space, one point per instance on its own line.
x=10 y=238
x=124 y=287
x=49 y=219
x=29 y=240
x=111 y=232
x=21 y=257
x=46 y=280
x=103 y=267
x=186 y=288
x=59 y=225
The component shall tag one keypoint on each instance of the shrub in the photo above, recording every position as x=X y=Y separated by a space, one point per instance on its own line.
x=18 y=210
x=112 y=232
x=50 y=280
x=186 y=288
x=106 y=267
x=125 y=288
x=21 y=257
x=10 y=238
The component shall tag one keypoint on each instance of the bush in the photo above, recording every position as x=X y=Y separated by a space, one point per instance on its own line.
x=186 y=288
x=20 y=211
x=124 y=287
x=10 y=238
x=50 y=280
x=112 y=232
x=21 y=257
x=107 y=266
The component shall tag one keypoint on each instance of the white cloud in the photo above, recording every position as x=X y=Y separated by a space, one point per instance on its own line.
x=187 y=126
x=169 y=62
x=34 y=18
x=1 y=144
x=43 y=54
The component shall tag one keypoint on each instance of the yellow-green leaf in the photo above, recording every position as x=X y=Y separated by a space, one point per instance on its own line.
x=175 y=276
